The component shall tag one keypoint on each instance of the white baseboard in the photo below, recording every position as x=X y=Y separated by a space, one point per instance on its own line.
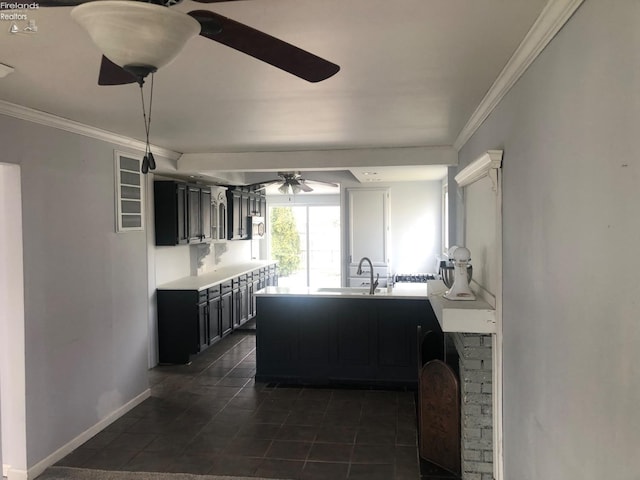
x=63 y=451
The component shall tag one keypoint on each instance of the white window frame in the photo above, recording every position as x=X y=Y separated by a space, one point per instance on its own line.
x=445 y=240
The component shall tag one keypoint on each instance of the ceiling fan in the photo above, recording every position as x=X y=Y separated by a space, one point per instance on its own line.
x=292 y=182
x=226 y=31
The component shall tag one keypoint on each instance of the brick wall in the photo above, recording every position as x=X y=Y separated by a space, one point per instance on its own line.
x=475 y=365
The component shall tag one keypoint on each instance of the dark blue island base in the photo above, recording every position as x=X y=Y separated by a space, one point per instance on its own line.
x=355 y=341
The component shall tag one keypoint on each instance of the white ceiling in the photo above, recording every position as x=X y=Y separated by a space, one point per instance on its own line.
x=412 y=73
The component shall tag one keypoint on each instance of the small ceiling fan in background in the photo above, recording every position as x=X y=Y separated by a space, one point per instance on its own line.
x=292 y=182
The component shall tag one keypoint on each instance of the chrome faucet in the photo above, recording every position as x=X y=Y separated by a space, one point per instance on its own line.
x=372 y=284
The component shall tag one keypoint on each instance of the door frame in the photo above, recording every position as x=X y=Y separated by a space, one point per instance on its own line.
x=13 y=446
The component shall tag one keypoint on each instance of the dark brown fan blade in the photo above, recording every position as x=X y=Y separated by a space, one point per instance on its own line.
x=264 y=184
x=264 y=47
x=112 y=74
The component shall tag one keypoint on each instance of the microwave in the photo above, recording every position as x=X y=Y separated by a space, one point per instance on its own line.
x=258 y=228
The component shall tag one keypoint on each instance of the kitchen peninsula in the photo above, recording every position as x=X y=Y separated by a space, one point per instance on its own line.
x=345 y=336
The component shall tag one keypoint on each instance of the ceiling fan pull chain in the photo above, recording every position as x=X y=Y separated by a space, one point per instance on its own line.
x=148 y=162
x=152 y=161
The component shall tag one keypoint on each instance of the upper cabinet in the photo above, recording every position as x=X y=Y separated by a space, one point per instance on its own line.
x=218 y=213
x=368 y=233
x=183 y=213
x=199 y=213
x=170 y=202
x=369 y=224
x=190 y=214
x=238 y=214
x=242 y=204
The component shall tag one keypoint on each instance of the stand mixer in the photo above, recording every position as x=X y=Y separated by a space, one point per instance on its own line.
x=460 y=289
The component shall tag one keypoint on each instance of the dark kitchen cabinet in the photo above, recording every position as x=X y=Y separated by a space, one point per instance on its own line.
x=237 y=214
x=205 y=213
x=340 y=340
x=189 y=321
x=253 y=285
x=180 y=328
x=170 y=203
x=257 y=204
x=241 y=205
x=182 y=213
x=199 y=213
x=203 y=325
x=214 y=317
x=226 y=312
x=240 y=301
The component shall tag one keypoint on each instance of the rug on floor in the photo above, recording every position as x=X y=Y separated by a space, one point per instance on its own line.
x=69 y=473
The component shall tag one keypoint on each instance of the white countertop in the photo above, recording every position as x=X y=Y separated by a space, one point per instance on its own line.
x=206 y=280
x=417 y=291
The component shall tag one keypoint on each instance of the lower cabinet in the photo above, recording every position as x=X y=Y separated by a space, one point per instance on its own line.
x=189 y=321
x=181 y=324
x=214 y=320
x=253 y=287
x=226 y=310
x=240 y=305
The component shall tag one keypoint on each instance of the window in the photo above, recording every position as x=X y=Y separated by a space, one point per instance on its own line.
x=129 y=193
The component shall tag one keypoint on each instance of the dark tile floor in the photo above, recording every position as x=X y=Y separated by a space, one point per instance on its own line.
x=211 y=417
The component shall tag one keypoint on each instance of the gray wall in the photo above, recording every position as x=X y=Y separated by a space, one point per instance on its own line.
x=569 y=131
x=85 y=286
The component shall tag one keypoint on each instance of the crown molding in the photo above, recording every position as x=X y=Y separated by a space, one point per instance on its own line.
x=49 y=120
x=492 y=159
x=552 y=18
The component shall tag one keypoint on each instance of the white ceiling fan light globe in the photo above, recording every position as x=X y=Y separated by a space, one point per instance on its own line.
x=139 y=34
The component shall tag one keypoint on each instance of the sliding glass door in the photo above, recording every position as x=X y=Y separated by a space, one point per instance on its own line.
x=305 y=241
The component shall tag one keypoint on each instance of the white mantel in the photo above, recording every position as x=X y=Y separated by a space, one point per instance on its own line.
x=475 y=316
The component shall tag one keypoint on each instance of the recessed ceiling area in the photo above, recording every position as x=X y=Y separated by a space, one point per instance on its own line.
x=412 y=72
x=399 y=173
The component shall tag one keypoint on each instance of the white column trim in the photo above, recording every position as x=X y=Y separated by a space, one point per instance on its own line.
x=489 y=164
x=481 y=167
x=498 y=432
x=553 y=17
x=12 y=324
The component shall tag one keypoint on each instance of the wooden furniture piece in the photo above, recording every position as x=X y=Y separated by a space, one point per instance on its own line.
x=438 y=404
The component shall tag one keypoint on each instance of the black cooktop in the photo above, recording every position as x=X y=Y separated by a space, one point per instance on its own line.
x=413 y=277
